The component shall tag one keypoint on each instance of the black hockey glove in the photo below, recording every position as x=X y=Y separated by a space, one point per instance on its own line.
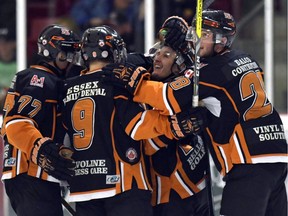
x=188 y=122
x=173 y=31
x=129 y=75
x=53 y=158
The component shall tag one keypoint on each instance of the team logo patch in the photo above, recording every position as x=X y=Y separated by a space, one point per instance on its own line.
x=112 y=179
x=10 y=162
x=179 y=83
x=65 y=31
x=131 y=154
x=35 y=81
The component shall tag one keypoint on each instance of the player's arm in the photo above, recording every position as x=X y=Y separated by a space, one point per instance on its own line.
x=21 y=121
x=139 y=123
x=168 y=98
x=144 y=124
x=21 y=132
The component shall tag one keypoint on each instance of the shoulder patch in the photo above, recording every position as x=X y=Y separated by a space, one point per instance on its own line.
x=179 y=83
x=189 y=73
x=35 y=81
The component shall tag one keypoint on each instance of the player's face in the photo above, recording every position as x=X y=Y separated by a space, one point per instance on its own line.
x=163 y=61
x=207 y=43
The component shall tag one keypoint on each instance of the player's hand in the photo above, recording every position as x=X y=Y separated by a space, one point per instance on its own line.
x=130 y=75
x=173 y=31
x=53 y=158
x=188 y=122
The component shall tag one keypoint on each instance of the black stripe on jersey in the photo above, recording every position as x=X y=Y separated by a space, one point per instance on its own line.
x=240 y=146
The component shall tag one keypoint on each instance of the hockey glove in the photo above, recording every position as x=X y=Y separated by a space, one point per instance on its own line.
x=188 y=122
x=53 y=158
x=173 y=31
x=130 y=75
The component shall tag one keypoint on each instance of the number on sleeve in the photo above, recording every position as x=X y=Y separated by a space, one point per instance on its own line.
x=9 y=102
x=25 y=100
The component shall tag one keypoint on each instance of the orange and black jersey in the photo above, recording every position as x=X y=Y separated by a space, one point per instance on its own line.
x=31 y=112
x=179 y=166
x=101 y=121
x=176 y=165
x=243 y=125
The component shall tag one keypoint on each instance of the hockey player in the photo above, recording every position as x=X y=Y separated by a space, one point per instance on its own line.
x=33 y=163
x=104 y=125
x=178 y=168
x=249 y=145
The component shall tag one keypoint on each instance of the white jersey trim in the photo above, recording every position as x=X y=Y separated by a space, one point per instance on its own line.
x=270 y=159
x=18 y=120
x=165 y=86
x=90 y=195
x=183 y=184
x=135 y=129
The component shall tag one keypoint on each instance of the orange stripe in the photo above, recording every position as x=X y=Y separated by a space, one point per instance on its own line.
x=132 y=123
x=54 y=122
x=51 y=101
x=243 y=144
x=17 y=135
x=42 y=68
x=218 y=153
x=121 y=96
x=116 y=157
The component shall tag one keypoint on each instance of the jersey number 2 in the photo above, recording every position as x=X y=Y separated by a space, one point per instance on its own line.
x=251 y=85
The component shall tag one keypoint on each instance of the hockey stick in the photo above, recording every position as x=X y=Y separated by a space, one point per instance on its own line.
x=198 y=16
x=195 y=97
x=68 y=207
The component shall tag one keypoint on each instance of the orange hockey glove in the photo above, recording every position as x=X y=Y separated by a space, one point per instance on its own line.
x=188 y=122
x=130 y=75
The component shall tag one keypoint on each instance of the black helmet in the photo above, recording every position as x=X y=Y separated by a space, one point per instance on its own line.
x=54 y=39
x=104 y=43
x=221 y=23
